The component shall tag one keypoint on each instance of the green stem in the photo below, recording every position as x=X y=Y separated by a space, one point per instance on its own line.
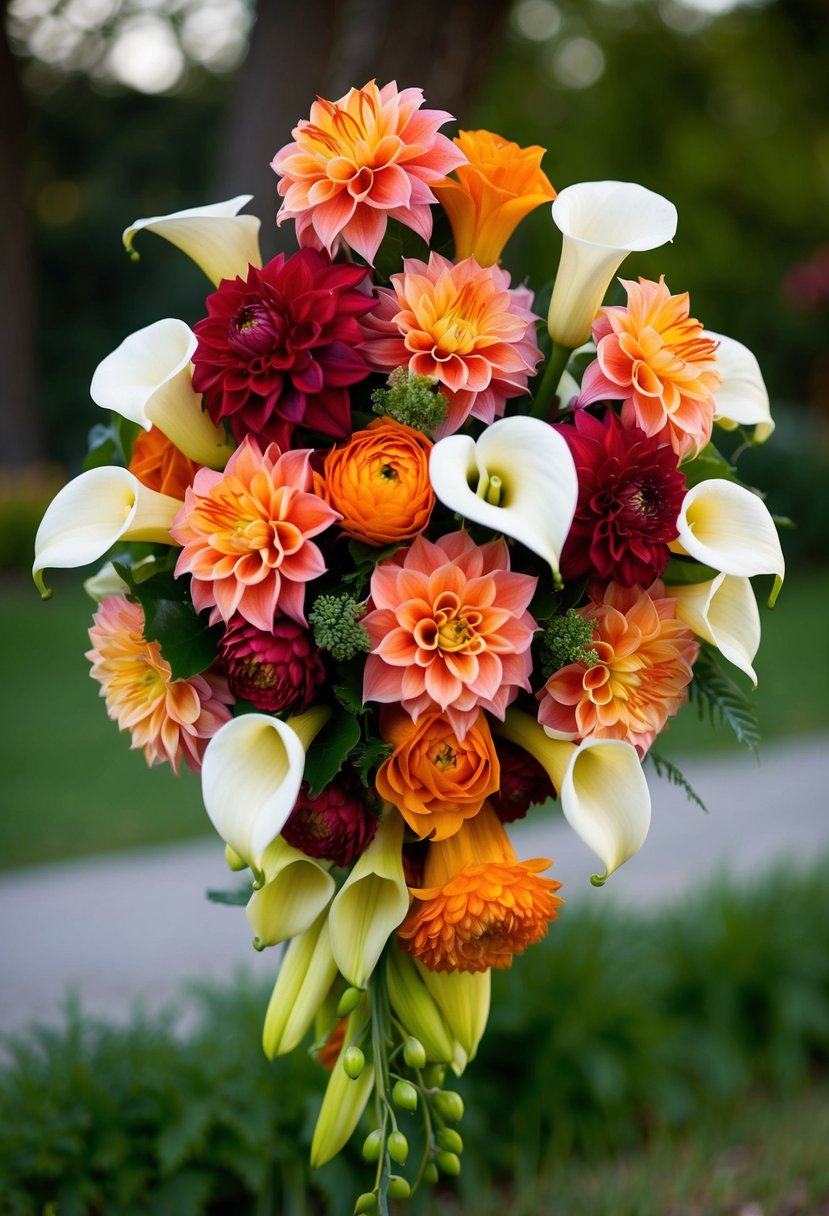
x=380 y=1018
x=546 y=391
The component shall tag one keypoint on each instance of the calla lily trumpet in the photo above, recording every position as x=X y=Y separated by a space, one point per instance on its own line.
x=518 y=478
x=295 y=890
x=724 y=612
x=306 y=974
x=603 y=791
x=417 y=1009
x=601 y=223
x=92 y=513
x=147 y=379
x=345 y=1099
x=251 y=774
x=742 y=398
x=725 y=526
x=463 y=998
x=371 y=903
x=219 y=240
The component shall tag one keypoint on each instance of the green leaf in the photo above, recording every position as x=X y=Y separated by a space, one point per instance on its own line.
x=682 y=571
x=236 y=898
x=710 y=463
x=665 y=768
x=111 y=442
x=187 y=641
x=330 y=749
x=349 y=689
x=713 y=688
x=368 y=757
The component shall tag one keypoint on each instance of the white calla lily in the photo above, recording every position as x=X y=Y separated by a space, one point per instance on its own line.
x=251 y=774
x=722 y=611
x=306 y=973
x=742 y=398
x=106 y=582
x=463 y=997
x=94 y=511
x=219 y=240
x=518 y=479
x=601 y=223
x=725 y=526
x=147 y=379
x=371 y=903
x=294 y=892
x=603 y=791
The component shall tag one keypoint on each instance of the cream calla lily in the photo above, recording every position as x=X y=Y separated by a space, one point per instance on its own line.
x=601 y=223
x=603 y=791
x=463 y=998
x=294 y=892
x=742 y=398
x=729 y=528
x=147 y=379
x=306 y=974
x=219 y=240
x=724 y=612
x=518 y=479
x=417 y=1009
x=251 y=774
x=344 y=1100
x=371 y=903
x=94 y=511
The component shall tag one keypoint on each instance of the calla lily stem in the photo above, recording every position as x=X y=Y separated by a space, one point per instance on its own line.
x=546 y=391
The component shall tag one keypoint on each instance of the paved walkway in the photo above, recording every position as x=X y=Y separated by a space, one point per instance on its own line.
x=132 y=927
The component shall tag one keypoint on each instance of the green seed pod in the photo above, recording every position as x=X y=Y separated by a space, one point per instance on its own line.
x=434 y=1076
x=398 y=1147
x=449 y=1105
x=414 y=1053
x=447 y=1138
x=348 y=1002
x=398 y=1187
x=431 y=1172
x=448 y=1163
x=373 y=1146
x=404 y=1095
x=365 y=1203
x=353 y=1062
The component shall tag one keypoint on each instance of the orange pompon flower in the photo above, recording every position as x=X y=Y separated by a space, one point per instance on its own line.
x=479 y=904
x=501 y=184
x=434 y=779
x=379 y=483
x=645 y=661
x=159 y=465
x=168 y=718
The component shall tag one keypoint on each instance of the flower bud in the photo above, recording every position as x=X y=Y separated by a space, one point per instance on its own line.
x=430 y=1174
x=414 y=1053
x=404 y=1095
x=449 y=1105
x=354 y=1062
x=434 y=1076
x=398 y=1147
x=399 y=1188
x=373 y=1146
x=448 y=1163
x=447 y=1138
x=349 y=1001
x=366 y=1202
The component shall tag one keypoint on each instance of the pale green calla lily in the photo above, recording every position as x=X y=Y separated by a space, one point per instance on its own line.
x=603 y=791
x=725 y=526
x=417 y=1009
x=518 y=479
x=221 y=242
x=94 y=511
x=463 y=997
x=147 y=379
x=344 y=1100
x=742 y=399
x=601 y=223
x=723 y=611
x=306 y=973
x=294 y=892
x=251 y=774
x=371 y=903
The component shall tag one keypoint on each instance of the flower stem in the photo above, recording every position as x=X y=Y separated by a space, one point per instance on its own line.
x=542 y=406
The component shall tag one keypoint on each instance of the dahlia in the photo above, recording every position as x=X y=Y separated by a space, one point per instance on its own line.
x=159 y=465
x=278 y=671
x=336 y=826
x=168 y=718
x=277 y=350
x=630 y=494
x=524 y=783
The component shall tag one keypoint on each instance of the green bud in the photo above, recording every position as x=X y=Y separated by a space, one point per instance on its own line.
x=566 y=640
x=353 y=1062
x=411 y=399
x=449 y=1140
x=399 y=1188
x=335 y=620
x=366 y=1202
x=348 y=1002
x=373 y=1146
x=448 y=1163
x=398 y=1147
x=434 y=1076
x=431 y=1174
x=414 y=1053
x=404 y=1095
x=449 y=1105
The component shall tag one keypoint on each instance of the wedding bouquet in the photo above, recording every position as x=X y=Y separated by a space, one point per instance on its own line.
x=389 y=575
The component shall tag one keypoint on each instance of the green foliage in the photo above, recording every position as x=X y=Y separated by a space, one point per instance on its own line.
x=709 y=464
x=330 y=750
x=368 y=757
x=412 y=400
x=187 y=642
x=665 y=768
x=111 y=442
x=713 y=689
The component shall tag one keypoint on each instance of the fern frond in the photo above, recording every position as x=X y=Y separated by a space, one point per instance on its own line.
x=665 y=768
x=714 y=689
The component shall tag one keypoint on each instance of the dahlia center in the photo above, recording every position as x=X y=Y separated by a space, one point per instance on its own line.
x=260 y=675
x=445 y=759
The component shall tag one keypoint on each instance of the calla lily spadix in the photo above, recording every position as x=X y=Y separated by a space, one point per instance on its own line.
x=518 y=479
x=295 y=891
x=306 y=973
x=463 y=998
x=147 y=379
x=219 y=240
x=345 y=1099
x=724 y=612
x=94 y=511
x=601 y=223
x=417 y=1009
x=371 y=903
x=742 y=398
x=603 y=791
x=251 y=774
x=729 y=528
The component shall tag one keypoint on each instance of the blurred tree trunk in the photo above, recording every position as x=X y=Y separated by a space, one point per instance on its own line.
x=301 y=48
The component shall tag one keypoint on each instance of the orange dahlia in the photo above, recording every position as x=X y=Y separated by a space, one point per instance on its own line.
x=479 y=904
x=159 y=465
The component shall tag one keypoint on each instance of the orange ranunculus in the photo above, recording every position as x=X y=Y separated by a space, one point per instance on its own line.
x=501 y=184
x=159 y=465
x=379 y=482
x=435 y=780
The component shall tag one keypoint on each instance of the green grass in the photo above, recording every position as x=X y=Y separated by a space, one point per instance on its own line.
x=72 y=787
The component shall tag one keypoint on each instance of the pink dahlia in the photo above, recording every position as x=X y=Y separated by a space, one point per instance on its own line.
x=449 y=628
x=462 y=326
x=277 y=671
x=168 y=718
x=336 y=826
x=524 y=783
x=361 y=160
x=277 y=350
x=630 y=495
x=246 y=535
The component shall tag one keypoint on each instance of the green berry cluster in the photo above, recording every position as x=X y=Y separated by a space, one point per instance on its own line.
x=335 y=620
x=411 y=399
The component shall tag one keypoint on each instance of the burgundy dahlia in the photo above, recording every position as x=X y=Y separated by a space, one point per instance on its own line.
x=278 y=350
x=275 y=671
x=336 y=825
x=524 y=783
x=630 y=494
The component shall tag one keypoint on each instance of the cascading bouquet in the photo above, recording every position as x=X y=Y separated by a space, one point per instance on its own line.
x=387 y=584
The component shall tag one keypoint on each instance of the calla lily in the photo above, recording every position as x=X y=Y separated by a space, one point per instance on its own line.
x=219 y=240
x=417 y=1009
x=463 y=998
x=518 y=479
x=251 y=774
x=371 y=903
x=147 y=379
x=724 y=612
x=603 y=791
x=94 y=511
x=294 y=892
x=306 y=974
x=725 y=526
x=106 y=582
x=344 y=1100
x=601 y=223
x=742 y=399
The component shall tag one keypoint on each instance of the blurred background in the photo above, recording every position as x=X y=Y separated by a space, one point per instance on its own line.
x=675 y=1044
